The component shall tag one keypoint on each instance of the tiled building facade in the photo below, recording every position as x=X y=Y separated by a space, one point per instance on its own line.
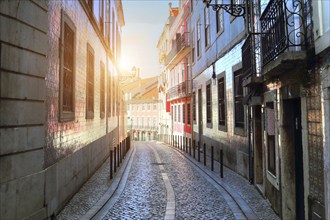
x=60 y=100
x=260 y=94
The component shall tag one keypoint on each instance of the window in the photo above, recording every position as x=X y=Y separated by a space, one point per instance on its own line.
x=193 y=47
x=148 y=106
x=90 y=83
x=179 y=113
x=142 y=107
x=113 y=32
x=175 y=113
x=102 y=91
x=96 y=10
x=270 y=130
x=194 y=106
x=154 y=123
x=155 y=107
x=184 y=113
x=220 y=21
x=188 y=114
x=109 y=95
x=221 y=102
x=208 y=105
x=67 y=70
x=198 y=39
x=207 y=26
x=90 y=4
x=238 y=99
x=113 y=94
x=102 y=17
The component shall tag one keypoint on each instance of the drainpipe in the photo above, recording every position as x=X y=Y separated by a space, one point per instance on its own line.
x=251 y=174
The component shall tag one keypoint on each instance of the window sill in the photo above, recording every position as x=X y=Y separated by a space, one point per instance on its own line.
x=240 y=131
x=222 y=128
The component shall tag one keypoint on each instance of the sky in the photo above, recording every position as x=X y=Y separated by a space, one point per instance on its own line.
x=144 y=22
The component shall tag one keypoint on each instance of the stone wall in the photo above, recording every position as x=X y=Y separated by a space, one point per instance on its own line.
x=43 y=161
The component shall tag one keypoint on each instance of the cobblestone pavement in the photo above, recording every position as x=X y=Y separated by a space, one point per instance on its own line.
x=144 y=196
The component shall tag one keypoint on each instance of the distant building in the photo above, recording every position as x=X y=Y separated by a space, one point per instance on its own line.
x=163 y=45
x=174 y=51
x=60 y=101
x=143 y=107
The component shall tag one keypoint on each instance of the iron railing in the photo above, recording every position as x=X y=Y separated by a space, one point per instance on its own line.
x=248 y=57
x=282 y=28
x=144 y=128
x=179 y=91
x=182 y=41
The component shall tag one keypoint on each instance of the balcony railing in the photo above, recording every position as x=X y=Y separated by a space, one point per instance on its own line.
x=248 y=57
x=179 y=91
x=144 y=128
x=182 y=41
x=283 y=28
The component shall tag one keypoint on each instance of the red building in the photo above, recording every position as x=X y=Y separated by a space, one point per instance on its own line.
x=177 y=67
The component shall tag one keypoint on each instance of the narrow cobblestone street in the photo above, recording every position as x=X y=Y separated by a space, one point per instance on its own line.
x=198 y=192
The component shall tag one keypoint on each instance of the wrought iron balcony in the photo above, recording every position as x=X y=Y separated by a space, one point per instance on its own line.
x=179 y=91
x=180 y=48
x=251 y=61
x=283 y=31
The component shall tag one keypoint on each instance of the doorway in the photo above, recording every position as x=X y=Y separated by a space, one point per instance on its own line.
x=293 y=155
x=258 y=152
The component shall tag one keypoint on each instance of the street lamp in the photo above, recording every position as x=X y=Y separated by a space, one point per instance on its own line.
x=236 y=10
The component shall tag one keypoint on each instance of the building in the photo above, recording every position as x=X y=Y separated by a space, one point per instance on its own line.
x=321 y=24
x=143 y=108
x=285 y=70
x=176 y=37
x=165 y=128
x=60 y=101
x=219 y=116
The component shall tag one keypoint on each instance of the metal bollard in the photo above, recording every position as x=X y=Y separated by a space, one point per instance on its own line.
x=204 y=153
x=114 y=159
x=198 y=152
x=212 y=158
x=111 y=163
x=189 y=146
x=221 y=163
x=194 y=148
x=186 y=145
x=118 y=155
